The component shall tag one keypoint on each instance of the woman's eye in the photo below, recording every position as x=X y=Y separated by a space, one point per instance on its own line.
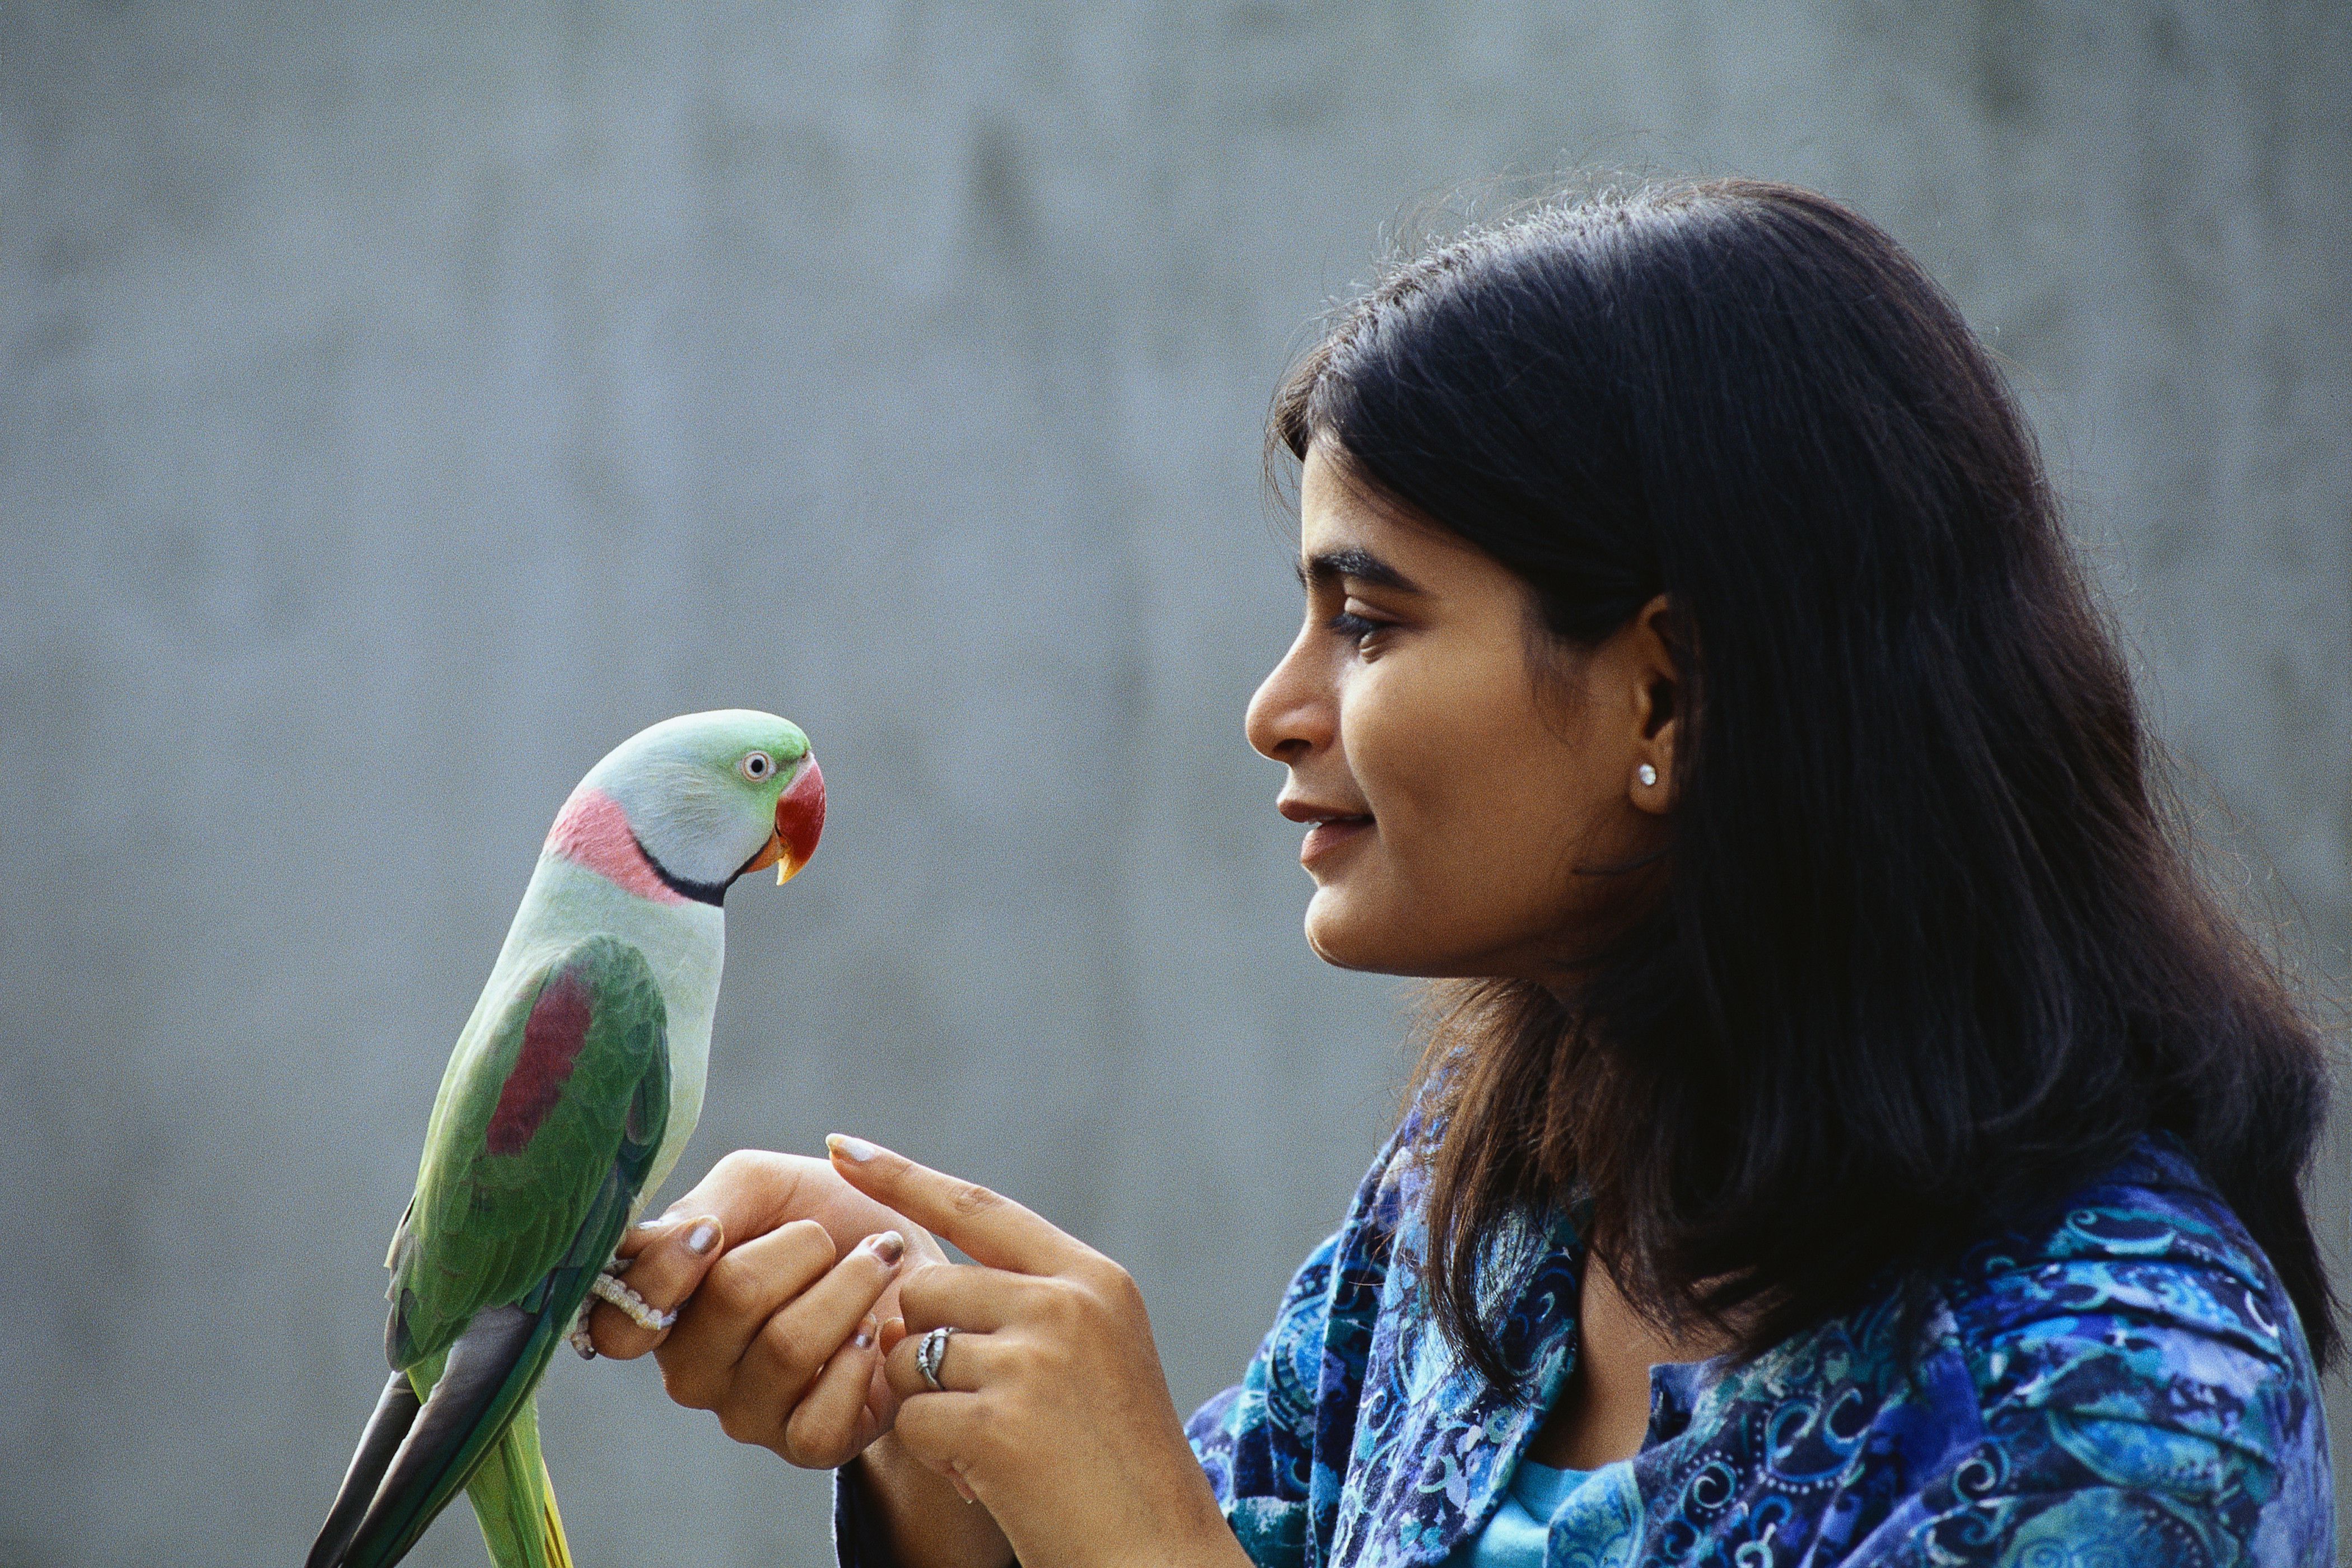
x=756 y=765
x=1348 y=623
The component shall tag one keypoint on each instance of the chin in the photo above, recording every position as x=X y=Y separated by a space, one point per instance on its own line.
x=1378 y=942
x=1346 y=938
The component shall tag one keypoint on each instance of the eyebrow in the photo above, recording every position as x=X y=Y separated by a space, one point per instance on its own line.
x=1360 y=564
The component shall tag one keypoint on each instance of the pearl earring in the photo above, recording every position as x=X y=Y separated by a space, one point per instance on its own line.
x=1646 y=773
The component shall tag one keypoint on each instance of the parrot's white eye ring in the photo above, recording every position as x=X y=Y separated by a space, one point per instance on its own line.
x=756 y=766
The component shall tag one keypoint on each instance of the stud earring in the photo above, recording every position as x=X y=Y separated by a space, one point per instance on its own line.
x=1646 y=773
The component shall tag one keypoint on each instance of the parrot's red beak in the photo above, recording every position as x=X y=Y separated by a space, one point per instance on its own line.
x=799 y=820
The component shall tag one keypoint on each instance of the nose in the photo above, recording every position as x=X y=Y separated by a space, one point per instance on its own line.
x=1294 y=710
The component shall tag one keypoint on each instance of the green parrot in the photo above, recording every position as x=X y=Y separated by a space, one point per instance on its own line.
x=572 y=1088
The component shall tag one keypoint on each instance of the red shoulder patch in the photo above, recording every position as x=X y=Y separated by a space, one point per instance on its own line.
x=552 y=1038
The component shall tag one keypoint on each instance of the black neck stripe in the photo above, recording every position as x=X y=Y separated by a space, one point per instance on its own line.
x=712 y=893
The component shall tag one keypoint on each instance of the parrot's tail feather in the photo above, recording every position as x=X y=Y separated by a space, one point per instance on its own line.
x=491 y=1372
x=394 y=1414
x=483 y=1388
x=515 y=1502
x=558 y=1549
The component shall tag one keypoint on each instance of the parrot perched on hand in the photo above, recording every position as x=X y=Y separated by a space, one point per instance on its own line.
x=572 y=1088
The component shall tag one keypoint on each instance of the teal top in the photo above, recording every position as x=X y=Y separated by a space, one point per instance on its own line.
x=1598 y=1525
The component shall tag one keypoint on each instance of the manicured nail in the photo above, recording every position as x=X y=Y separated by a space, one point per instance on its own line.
x=888 y=1245
x=703 y=1236
x=848 y=1148
x=862 y=1338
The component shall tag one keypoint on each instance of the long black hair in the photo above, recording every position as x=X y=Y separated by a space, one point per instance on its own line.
x=1929 y=950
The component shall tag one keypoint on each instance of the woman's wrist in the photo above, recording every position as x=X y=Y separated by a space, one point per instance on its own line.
x=927 y=1522
x=1191 y=1531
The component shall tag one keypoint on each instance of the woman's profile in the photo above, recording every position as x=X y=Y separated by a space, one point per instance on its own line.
x=1849 y=1132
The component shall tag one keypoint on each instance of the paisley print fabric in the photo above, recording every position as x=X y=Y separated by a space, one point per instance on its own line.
x=2123 y=1385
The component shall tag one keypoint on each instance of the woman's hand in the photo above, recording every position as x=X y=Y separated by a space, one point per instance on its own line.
x=783 y=1269
x=1056 y=1414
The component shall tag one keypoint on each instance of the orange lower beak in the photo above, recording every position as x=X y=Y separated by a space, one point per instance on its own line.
x=770 y=854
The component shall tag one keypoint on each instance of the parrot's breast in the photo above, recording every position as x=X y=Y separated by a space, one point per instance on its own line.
x=683 y=943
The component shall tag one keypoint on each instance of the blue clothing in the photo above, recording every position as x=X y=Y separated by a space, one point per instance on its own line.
x=1518 y=1533
x=2125 y=1383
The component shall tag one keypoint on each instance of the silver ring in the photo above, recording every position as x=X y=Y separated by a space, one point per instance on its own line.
x=930 y=1353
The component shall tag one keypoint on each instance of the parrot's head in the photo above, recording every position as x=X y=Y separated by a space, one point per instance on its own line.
x=704 y=798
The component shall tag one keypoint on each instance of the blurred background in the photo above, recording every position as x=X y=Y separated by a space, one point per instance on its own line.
x=404 y=403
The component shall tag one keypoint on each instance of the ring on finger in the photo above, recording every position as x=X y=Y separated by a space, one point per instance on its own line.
x=930 y=1353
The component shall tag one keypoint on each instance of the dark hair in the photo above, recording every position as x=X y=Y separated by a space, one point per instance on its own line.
x=1928 y=952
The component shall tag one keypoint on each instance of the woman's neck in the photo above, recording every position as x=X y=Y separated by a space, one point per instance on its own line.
x=1603 y=1410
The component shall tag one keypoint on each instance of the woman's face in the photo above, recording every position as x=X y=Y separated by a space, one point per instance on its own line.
x=1458 y=801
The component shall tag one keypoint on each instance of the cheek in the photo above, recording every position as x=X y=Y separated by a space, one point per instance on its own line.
x=1444 y=763
x=1388 y=741
x=1477 y=802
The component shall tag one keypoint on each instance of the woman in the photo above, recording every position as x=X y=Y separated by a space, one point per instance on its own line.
x=1850 y=1133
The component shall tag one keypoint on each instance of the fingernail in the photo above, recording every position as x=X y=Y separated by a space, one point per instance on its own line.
x=703 y=1236
x=848 y=1148
x=862 y=1338
x=888 y=1245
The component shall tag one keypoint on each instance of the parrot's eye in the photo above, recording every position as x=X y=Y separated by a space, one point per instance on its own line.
x=756 y=765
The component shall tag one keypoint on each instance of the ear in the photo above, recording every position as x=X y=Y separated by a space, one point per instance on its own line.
x=1658 y=704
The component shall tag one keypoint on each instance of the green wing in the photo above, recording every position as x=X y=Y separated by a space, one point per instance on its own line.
x=570 y=1087
x=545 y=1132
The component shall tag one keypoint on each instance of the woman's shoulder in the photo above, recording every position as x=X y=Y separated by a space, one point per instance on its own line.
x=2142 y=1262
x=2134 y=1345
x=2125 y=1370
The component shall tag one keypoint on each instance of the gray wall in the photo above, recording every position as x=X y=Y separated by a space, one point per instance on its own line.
x=402 y=403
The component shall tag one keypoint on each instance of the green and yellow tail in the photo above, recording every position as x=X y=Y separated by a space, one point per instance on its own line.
x=515 y=1502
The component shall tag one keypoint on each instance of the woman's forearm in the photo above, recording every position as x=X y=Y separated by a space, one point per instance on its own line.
x=929 y=1524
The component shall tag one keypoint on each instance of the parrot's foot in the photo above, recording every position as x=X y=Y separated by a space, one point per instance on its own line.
x=608 y=1287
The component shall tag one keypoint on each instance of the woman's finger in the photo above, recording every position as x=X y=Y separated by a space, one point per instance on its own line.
x=993 y=1229
x=779 y=1365
x=832 y=1422
x=751 y=1191
x=669 y=1259
x=754 y=1191
x=880 y=1397
x=966 y=1295
x=946 y=1432
x=742 y=1291
x=966 y=1361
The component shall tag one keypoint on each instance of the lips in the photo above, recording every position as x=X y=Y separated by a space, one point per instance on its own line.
x=1329 y=825
x=1328 y=835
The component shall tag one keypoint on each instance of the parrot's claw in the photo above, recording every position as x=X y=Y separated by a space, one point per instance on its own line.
x=610 y=1288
